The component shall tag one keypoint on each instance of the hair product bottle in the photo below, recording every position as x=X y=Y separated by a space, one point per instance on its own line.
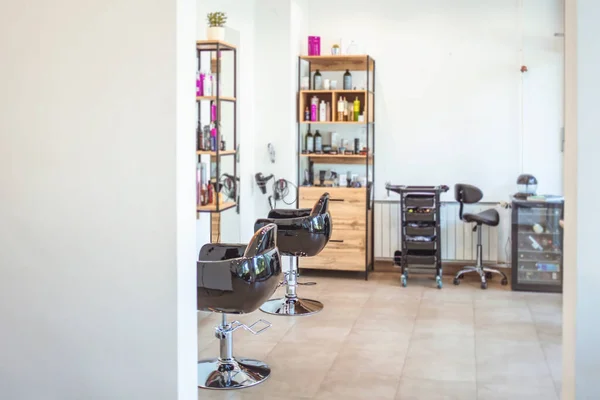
x=340 y=110
x=207 y=85
x=310 y=143
x=317 y=81
x=307 y=114
x=328 y=113
x=356 y=108
x=347 y=80
x=322 y=111
x=318 y=142
x=345 y=109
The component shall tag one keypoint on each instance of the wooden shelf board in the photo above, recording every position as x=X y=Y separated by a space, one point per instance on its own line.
x=335 y=91
x=214 y=153
x=339 y=63
x=337 y=158
x=211 y=45
x=212 y=208
x=335 y=122
x=214 y=98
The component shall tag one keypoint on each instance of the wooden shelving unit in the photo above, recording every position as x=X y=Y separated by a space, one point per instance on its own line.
x=217 y=50
x=351 y=244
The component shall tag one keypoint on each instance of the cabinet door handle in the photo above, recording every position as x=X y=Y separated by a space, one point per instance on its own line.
x=336 y=200
x=336 y=241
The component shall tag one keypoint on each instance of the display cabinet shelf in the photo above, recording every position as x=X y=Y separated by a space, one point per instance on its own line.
x=352 y=241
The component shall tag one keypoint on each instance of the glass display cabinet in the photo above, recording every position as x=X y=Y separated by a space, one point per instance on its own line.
x=537 y=245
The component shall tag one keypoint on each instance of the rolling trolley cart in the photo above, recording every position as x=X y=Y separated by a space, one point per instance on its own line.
x=420 y=229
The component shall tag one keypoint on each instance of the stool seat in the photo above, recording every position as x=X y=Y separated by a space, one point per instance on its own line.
x=488 y=217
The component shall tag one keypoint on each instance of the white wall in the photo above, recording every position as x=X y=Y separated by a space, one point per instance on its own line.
x=581 y=350
x=97 y=271
x=449 y=86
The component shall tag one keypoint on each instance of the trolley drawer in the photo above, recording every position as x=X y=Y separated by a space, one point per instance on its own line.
x=419 y=200
x=419 y=230
x=420 y=260
x=413 y=245
x=416 y=217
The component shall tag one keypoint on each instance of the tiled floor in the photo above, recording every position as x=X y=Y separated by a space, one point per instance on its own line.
x=377 y=340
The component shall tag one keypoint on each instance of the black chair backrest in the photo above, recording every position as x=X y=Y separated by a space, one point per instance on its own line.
x=466 y=194
x=321 y=206
x=264 y=240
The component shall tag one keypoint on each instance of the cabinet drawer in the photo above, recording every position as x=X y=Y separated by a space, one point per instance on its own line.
x=345 y=252
x=346 y=206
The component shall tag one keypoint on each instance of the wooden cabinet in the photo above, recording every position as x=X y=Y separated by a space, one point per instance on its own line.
x=350 y=246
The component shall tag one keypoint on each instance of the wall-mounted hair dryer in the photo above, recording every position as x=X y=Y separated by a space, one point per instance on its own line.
x=261 y=181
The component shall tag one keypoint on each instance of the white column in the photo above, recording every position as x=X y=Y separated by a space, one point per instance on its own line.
x=97 y=260
x=581 y=326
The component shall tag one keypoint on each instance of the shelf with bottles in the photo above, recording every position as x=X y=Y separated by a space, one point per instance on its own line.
x=539 y=277
x=340 y=62
x=215 y=153
x=338 y=158
x=335 y=107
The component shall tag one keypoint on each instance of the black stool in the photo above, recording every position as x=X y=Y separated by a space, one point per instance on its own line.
x=468 y=194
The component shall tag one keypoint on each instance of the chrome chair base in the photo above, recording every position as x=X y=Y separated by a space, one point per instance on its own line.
x=291 y=306
x=234 y=374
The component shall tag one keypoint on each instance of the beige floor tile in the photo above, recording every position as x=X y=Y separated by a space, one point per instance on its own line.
x=553 y=354
x=328 y=336
x=378 y=340
x=523 y=332
x=304 y=356
x=445 y=357
x=423 y=389
x=373 y=319
x=357 y=386
x=502 y=361
x=517 y=390
x=289 y=383
x=383 y=361
x=502 y=315
x=460 y=326
x=433 y=308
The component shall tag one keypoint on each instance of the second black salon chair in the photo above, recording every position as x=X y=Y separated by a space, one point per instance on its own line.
x=300 y=233
x=469 y=194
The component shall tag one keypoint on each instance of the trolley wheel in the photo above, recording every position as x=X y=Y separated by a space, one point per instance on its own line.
x=456 y=281
x=403 y=280
x=504 y=282
x=438 y=280
x=488 y=275
x=484 y=285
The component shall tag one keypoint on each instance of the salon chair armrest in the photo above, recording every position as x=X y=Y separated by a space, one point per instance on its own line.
x=220 y=252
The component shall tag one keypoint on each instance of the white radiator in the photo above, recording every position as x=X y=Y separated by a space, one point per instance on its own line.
x=459 y=242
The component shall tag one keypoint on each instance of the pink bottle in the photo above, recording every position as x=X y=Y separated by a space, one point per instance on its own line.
x=213 y=112
x=313 y=112
x=200 y=84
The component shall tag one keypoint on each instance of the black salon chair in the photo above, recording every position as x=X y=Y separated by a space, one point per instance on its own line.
x=236 y=279
x=468 y=194
x=300 y=233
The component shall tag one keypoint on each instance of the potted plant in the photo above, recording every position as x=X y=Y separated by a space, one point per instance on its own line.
x=216 y=22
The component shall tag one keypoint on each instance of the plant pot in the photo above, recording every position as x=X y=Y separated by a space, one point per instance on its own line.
x=215 y=33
